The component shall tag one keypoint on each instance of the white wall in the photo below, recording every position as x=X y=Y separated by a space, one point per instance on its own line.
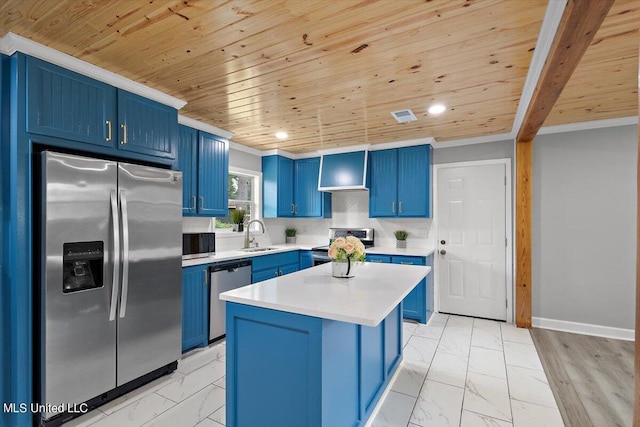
x=584 y=226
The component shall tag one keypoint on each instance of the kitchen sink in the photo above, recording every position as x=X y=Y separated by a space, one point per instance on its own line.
x=258 y=249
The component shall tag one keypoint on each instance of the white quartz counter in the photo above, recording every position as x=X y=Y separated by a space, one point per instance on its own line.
x=365 y=299
x=231 y=255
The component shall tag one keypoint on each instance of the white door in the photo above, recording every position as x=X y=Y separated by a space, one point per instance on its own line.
x=471 y=241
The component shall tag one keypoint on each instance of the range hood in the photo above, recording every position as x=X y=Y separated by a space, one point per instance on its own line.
x=343 y=171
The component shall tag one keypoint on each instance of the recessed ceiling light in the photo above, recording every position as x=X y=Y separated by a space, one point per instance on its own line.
x=282 y=135
x=437 y=109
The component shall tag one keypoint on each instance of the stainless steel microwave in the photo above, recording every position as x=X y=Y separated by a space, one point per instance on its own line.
x=198 y=245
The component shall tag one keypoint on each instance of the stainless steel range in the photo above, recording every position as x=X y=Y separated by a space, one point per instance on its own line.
x=320 y=253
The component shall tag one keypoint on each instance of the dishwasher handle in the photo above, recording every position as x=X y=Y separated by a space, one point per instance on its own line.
x=231 y=267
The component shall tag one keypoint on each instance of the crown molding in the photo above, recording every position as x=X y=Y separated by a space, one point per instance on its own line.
x=548 y=29
x=595 y=124
x=11 y=43
x=400 y=144
x=188 y=121
x=245 y=149
x=477 y=140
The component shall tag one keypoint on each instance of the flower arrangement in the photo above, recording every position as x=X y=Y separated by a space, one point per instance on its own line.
x=345 y=249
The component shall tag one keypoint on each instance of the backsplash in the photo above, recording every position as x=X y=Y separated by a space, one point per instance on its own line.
x=350 y=209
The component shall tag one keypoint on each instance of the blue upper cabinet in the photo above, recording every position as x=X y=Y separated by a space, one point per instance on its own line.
x=204 y=161
x=383 y=172
x=286 y=207
x=290 y=189
x=308 y=201
x=400 y=182
x=145 y=126
x=188 y=164
x=414 y=181
x=213 y=175
x=68 y=105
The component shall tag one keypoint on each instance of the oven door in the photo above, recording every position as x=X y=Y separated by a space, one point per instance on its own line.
x=320 y=258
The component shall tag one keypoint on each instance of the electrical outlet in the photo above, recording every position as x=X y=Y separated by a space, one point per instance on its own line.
x=423 y=232
x=304 y=228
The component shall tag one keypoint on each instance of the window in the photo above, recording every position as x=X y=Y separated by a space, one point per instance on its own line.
x=244 y=189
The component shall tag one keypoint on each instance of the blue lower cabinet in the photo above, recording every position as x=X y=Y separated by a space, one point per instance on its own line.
x=418 y=305
x=265 y=267
x=414 y=305
x=305 y=259
x=195 y=315
x=286 y=369
x=379 y=258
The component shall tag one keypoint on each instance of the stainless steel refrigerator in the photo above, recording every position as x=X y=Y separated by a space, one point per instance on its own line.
x=110 y=294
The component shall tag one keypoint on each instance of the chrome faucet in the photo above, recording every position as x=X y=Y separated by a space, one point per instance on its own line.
x=247 y=243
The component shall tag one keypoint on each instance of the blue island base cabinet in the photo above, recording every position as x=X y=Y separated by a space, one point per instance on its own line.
x=286 y=369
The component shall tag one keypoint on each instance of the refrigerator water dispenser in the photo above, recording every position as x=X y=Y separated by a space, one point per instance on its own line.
x=82 y=266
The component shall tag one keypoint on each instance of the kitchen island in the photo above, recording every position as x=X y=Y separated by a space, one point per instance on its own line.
x=308 y=349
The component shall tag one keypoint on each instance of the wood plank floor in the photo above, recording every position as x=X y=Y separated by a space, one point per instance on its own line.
x=591 y=377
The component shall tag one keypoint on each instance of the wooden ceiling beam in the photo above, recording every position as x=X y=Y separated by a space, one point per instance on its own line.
x=578 y=27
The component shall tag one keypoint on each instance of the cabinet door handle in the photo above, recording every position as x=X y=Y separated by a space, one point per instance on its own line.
x=399 y=207
x=124 y=134
x=204 y=281
x=406 y=263
x=393 y=207
x=201 y=202
x=108 y=122
x=293 y=208
x=377 y=260
x=193 y=203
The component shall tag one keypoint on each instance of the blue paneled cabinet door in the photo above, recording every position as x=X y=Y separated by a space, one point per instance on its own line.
x=213 y=175
x=383 y=170
x=188 y=164
x=64 y=104
x=414 y=175
x=308 y=200
x=194 y=307
x=285 y=187
x=146 y=126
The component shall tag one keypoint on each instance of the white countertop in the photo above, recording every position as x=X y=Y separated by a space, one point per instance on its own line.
x=231 y=255
x=365 y=299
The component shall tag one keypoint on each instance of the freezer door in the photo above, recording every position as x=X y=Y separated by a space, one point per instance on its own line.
x=78 y=341
x=150 y=311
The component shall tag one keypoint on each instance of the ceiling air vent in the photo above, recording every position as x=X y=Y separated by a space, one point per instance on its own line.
x=404 y=116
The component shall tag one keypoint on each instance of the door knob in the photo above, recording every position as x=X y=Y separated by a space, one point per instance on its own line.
x=442 y=252
x=442 y=242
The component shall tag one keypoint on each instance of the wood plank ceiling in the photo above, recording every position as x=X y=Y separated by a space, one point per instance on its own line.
x=330 y=72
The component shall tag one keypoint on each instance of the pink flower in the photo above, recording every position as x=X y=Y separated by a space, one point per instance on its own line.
x=339 y=242
x=349 y=248
x=333 y=252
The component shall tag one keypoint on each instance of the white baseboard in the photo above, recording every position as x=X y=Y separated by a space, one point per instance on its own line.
x=584 y=328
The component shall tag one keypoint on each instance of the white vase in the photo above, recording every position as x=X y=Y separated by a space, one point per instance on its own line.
x=401 y=243
x=344 y=269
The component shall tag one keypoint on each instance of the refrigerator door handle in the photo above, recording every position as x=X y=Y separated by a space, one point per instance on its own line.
x=116 y=256
x=125 y=254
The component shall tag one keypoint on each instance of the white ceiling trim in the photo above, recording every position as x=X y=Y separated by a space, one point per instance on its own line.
x=12 y=43
x=187 y=121
x=477 y=140
x=244 y=148
x=595 y=124
x=552 y=18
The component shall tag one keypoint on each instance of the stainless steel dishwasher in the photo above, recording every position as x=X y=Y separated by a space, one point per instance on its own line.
x=225 y=277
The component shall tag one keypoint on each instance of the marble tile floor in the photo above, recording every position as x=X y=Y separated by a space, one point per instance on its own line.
x=457 y=371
